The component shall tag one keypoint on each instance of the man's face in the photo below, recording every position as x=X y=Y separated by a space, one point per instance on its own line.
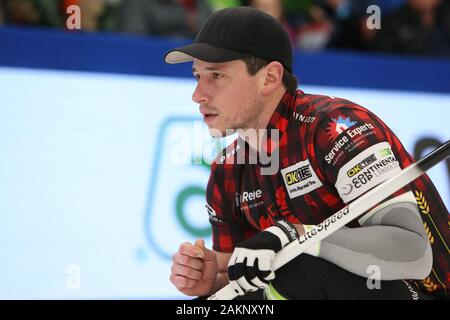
x=228 y=96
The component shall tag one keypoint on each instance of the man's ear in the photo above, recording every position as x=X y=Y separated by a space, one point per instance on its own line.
x=273 y=77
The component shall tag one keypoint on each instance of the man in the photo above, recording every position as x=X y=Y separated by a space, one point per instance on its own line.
x=323 y=153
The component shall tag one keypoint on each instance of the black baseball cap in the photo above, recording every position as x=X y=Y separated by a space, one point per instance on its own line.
x=236 y=33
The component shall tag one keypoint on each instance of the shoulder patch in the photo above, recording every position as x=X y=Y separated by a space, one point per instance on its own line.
x=369 y=168
x=300 y=179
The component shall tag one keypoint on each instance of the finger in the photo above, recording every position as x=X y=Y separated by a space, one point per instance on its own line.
x=250 y=271
x=266 y=263
x=240 y=273
x=270 y=277
x=175 y=281
x=181 y=282
x=264 y=269
x=200 y=243
x=207 y=254
x=244 y=284
x=187 y=272
x=181 y=259
x=250 y=260
x=191 y=250
x=258 y=283
x=254 y=276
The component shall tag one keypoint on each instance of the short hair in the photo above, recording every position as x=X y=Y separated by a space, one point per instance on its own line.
x=254 y=64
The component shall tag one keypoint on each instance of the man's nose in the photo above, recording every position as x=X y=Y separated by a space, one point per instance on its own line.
x=200 y=96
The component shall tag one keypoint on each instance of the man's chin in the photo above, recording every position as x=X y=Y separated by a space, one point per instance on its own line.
x=216 y=133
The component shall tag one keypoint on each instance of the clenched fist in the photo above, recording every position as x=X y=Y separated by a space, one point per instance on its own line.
x=194 y=269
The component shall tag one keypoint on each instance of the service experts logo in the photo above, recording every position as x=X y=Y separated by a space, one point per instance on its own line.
x=338 y=126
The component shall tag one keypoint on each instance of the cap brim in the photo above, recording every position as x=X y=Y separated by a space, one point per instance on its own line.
x=202 y=51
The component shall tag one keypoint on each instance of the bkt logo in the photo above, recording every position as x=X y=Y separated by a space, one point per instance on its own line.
x=175 y=209
x=298 y=175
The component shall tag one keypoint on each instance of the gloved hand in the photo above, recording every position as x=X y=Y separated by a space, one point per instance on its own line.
x=250 y=266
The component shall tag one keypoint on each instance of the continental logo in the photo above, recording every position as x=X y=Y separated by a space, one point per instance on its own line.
x=363 y=164
x=298 y=175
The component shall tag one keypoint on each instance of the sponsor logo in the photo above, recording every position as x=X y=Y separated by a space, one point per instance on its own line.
x=359 y=130
x=247 y=199
x=347 y=189
x=288 y=228
x=323 y=226
x=414 y=294
x=230 y=154
x=250 y=196
x=339 y=125
x=363 y=164
x=300 y=179
x=376 y=170
x=369 y=168
x=338 y=145
x=350 y=140
x=385 y=152
x=212 y=214
x=302 y=118
x=362 y=179
x=298 y=175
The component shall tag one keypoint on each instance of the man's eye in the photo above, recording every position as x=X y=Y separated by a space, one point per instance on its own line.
x=217 y=75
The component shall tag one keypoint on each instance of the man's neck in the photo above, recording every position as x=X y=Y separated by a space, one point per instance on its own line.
x=270 y=107
x=265 y=116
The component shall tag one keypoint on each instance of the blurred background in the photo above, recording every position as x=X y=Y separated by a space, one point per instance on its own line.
x=411 y=27
x=104 y=158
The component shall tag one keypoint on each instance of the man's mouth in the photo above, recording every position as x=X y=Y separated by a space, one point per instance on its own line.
x=208 y=117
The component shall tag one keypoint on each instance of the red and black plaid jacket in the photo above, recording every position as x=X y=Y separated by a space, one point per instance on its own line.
x=330 y=151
